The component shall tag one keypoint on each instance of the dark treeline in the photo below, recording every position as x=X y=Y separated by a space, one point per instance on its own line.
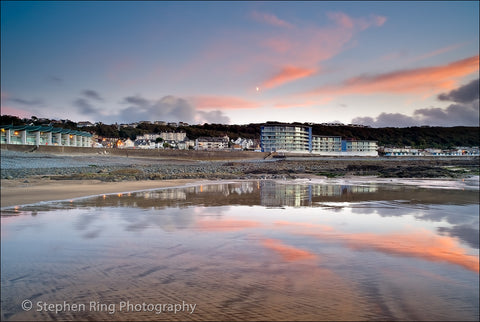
x=416 y=137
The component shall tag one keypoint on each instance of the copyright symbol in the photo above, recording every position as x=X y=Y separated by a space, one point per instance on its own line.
x=27 y=305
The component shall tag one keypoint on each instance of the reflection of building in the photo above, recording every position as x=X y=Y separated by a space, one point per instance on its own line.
x=277 y=195
x=44 y=135
x=299 y=139
x=273 y=194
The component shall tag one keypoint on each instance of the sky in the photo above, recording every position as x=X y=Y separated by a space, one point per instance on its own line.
x=392 y=63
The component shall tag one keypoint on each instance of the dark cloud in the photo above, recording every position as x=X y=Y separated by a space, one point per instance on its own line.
x=91 y=94
x=84 y=106
x=137 y=108
x=213 y=117
x=465 y=94
x=168 y=108
x=465 y=112
x=456 y=114
x=137 y=100
x=387 y=120
x=55 y=79
x=22 y=101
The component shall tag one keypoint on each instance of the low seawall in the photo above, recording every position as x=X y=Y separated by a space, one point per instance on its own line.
x=146 y=153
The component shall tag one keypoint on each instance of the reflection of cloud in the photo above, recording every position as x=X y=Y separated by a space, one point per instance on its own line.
x=283 y=223
x=226 y=224
x=288 y=253
x=420 y=244
x=466 y=233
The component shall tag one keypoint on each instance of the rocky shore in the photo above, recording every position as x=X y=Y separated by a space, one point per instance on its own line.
x=19 y=165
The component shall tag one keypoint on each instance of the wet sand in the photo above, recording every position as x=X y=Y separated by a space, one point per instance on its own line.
x=20 y=192
x=249 y=251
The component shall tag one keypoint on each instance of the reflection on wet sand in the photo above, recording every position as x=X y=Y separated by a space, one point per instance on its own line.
x=414 y=243
x=267 y=193
x=259 y=250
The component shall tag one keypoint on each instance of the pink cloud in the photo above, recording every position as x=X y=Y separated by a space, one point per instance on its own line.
x=307 y=46
x=345 y=21
x=423 y=81
x=438 y=52
x=222 y=102
x=287 y=74
x=341 y=19
x=7 y=110
x=239 y=55
x=279 y=45
x=270 y=19
x=309 y=103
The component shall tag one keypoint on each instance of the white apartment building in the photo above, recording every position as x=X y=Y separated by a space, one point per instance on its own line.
x=322 y=144
x=285 y=138
x=299 y=139
x=173 y=136
x=211 y=143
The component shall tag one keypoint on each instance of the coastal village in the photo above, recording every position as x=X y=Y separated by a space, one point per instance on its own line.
x=277 y=138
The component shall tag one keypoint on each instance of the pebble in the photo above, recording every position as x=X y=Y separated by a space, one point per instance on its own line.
x=16 y=165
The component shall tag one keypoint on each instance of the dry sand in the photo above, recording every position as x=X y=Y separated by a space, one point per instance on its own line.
x=17 y=192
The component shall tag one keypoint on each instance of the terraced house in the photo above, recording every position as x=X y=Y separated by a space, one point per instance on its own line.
x=44 y=135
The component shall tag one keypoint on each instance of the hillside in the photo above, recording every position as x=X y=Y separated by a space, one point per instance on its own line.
x=416 y=137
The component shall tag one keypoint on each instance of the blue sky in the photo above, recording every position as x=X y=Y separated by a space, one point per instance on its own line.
x=376 y=63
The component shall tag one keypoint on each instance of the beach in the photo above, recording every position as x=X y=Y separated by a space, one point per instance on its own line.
x=18 y=192
x=291 y=239
x=33 y=177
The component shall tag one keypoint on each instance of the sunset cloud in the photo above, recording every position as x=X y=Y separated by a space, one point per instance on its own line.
x=309 y=45
x=465 y=111
x=7 y=110
x=287 y=74
x=222 y=102
x=303 y=104
x=288 y=253
x=422 y=81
